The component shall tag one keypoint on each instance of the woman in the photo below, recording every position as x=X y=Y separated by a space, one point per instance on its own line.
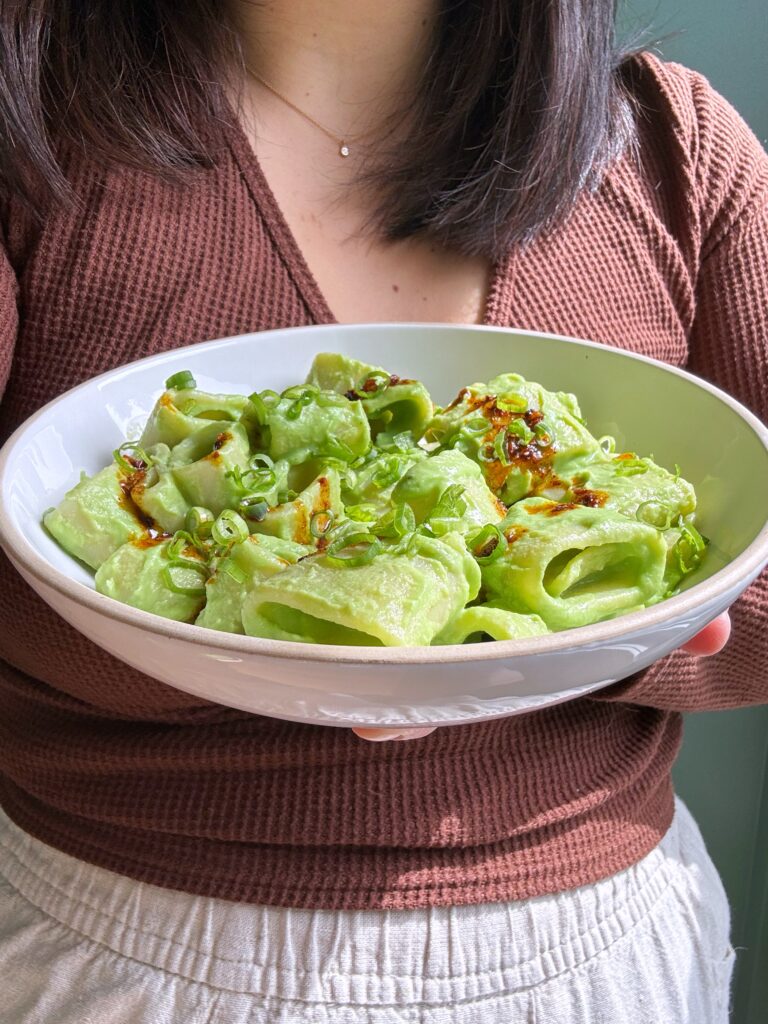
x=173 y=173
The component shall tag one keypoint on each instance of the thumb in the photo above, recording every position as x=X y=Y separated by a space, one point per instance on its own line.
x=712 y=638
x=404 y=733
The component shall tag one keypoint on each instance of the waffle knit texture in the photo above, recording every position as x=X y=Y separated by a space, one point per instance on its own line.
x=668 y=258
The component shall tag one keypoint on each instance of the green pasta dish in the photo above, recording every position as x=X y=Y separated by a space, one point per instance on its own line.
x=352 y=510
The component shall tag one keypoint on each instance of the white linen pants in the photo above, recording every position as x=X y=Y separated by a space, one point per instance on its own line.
x=81 y=945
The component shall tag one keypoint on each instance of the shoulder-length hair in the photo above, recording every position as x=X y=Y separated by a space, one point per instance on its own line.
x=521 y=106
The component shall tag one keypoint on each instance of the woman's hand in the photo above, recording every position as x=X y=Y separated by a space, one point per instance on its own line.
x=711 y=640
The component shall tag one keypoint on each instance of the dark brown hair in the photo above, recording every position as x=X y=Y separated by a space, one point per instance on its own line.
x=521 y=106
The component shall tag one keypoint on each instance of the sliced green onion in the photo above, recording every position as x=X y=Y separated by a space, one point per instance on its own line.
x=479 y=542
x=398 y=522
x=512 y=403
x=388 y=471
x=410 y=542
x=260 y=457
x=520 y=429
x=401 y=442
x=302 y=395
x=361 y=513
x=677 y=472
x=263 y=402
x=295 y=409
x=404 y=520
x=262 y=412
x=384 y=476
x=339 y=449
x=253 y=507
x=450 y=504
x=252 y=479
x=300 y=391
x=690 y=547
x=360 y=548
x=541 y=435
x=473 y=427
x=233 y=569
x=321 y=522
x=655 y=513
x=134 y=449
x=236 y=476
x=284 y=497
x=199 y=520
x=381 y=383
x=230 y=528
x=631 y=466
x=244 y=479
x=166 y=575
x=607 y=444
x=500 y=447
x=181 y=381
x=385 y=525
x=344 y=528
x=261 y=479
x=487 y=453
x=182 y=539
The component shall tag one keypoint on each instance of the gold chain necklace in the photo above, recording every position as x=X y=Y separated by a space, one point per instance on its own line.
x=344 y=150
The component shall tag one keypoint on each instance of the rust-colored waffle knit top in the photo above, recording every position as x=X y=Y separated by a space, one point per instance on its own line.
x=669 y=258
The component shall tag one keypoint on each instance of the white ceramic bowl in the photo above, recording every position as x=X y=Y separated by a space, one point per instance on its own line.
x=649 y=407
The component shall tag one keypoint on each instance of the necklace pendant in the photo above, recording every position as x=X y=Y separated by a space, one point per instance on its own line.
x=344 y=149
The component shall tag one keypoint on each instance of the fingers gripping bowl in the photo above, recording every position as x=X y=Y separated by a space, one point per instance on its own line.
x=648 y=407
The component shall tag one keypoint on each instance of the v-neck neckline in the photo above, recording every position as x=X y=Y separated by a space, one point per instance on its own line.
x=290 y=251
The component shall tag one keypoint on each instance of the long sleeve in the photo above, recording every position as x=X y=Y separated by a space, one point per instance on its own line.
x=9 y=317
x=729 y=347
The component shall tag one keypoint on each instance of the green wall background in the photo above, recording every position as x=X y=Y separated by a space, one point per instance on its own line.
x=722 y=772
x=727 y=41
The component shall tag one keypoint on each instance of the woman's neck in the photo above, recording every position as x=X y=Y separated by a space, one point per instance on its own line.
x=354 y=62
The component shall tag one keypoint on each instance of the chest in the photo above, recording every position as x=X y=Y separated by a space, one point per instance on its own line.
x=361 y=276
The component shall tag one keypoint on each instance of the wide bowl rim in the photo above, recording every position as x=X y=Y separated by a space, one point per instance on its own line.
x=729 y=578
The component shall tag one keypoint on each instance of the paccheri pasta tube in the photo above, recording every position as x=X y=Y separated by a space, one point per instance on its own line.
x=350 y=510
x=398 y=598
x=572 y=565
